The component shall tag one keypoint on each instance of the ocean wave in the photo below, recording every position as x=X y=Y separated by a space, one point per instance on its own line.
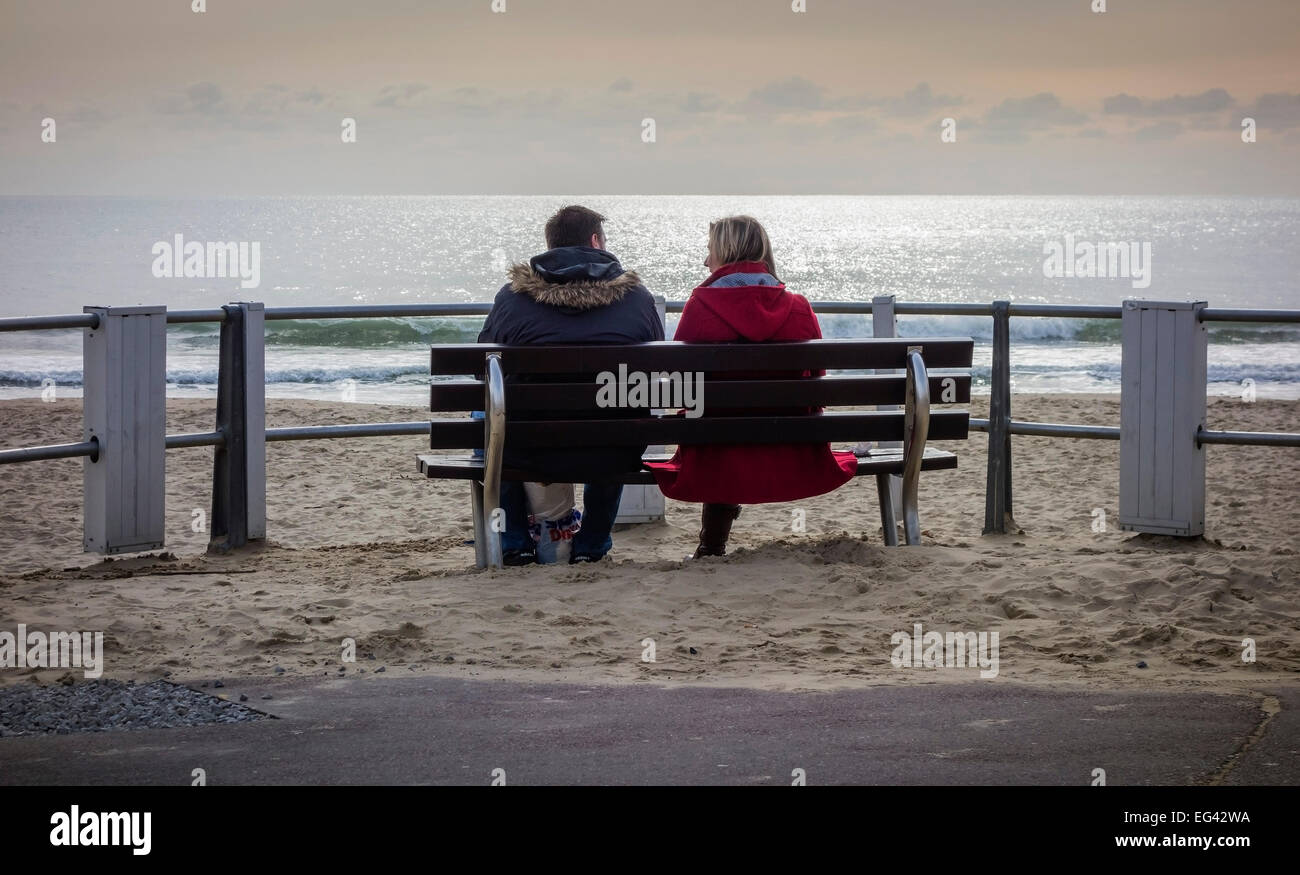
x=375 y=333
x=1044 y=329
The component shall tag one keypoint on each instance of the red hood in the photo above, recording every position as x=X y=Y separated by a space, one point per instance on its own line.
x=756 y=313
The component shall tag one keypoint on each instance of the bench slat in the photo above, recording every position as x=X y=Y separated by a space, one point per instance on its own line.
x=465 y=468
x=649 y=430
x=835 y=391
x=467 y=359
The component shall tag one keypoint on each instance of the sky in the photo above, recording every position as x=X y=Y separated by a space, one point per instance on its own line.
x=151 y=98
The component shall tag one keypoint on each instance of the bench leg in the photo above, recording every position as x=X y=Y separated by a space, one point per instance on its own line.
x=888 y=525
x=480 y=533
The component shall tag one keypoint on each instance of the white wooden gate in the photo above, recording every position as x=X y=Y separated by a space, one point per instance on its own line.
x=125 y=409
x=1162 y=407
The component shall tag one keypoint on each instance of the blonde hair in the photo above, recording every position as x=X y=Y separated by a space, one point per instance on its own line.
x=740 y=238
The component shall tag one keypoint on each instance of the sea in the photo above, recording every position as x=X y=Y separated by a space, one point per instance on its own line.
x=59 y=254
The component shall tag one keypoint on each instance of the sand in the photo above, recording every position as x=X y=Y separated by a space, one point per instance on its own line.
x=361 y=547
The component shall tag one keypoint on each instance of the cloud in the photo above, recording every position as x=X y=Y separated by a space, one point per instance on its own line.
x=846 y=127
x=793 y=94
x=1213 y=100
x=201 y=98
x=1014 y=119
x=1278 y=111
x=90 y=116
x=1043 y=110
x=797 y=94
x=698 y=101
x=395 y=96
x=920 y=101
x=1158 y=132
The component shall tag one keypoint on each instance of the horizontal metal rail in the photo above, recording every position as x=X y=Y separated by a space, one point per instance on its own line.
x=195 y=439
x=49 y=323
x=52 y=451
x=1249 y=438
x=906 y=308
x=178 y=317
x=378 y=311
x=1219 y=314
x=216 y=439
x=329 y=432
x=1112 y=433
x=1053 y=429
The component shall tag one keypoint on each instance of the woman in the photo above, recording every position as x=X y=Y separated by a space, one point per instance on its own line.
x=743 y=301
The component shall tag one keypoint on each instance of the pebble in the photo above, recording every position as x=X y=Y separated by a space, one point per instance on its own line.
x=1142 y=663
x=103 y=705
x=381 y=668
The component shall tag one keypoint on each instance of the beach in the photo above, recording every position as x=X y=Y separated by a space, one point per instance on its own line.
x=360 y=546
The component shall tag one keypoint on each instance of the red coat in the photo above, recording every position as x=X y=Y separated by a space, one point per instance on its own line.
x=750 y=473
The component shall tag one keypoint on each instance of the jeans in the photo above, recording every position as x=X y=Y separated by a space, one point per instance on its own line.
x=599 y=510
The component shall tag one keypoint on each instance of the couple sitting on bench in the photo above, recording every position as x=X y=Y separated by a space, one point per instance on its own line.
x=578 y=293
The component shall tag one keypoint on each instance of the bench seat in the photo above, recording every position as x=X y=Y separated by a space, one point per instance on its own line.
x=462 y=467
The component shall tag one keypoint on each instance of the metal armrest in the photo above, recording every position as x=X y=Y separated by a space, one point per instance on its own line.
x=494 y=422
x=916 y=428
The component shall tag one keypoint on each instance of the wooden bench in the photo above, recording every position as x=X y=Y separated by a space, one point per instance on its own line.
x=564 y=380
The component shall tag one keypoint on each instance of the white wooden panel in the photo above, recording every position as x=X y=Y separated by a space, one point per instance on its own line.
x=1162 y=475
x=1162 y=470
x=125 y=408
x=1148 y=358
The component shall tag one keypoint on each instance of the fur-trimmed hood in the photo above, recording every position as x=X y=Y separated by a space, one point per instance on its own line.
x=574 y=278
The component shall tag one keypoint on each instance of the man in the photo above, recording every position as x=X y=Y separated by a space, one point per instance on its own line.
x=573 y=293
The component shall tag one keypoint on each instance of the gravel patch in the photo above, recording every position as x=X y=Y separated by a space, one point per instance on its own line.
x=105 y=705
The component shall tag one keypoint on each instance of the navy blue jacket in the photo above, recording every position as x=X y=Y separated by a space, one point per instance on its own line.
x=573 y=295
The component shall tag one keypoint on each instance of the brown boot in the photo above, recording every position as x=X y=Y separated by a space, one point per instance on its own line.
x=716 y=520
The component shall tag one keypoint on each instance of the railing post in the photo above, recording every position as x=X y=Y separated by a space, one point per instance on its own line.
x=125 y=410
x=1162 y=409
x=239 y=465
x=997 y=489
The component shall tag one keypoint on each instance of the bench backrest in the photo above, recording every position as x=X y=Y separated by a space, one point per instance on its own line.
x=745 y=393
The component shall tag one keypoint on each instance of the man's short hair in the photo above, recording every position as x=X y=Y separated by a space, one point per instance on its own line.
x=573 y=226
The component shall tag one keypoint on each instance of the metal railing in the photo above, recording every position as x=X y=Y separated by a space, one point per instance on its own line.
x=999 y=424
